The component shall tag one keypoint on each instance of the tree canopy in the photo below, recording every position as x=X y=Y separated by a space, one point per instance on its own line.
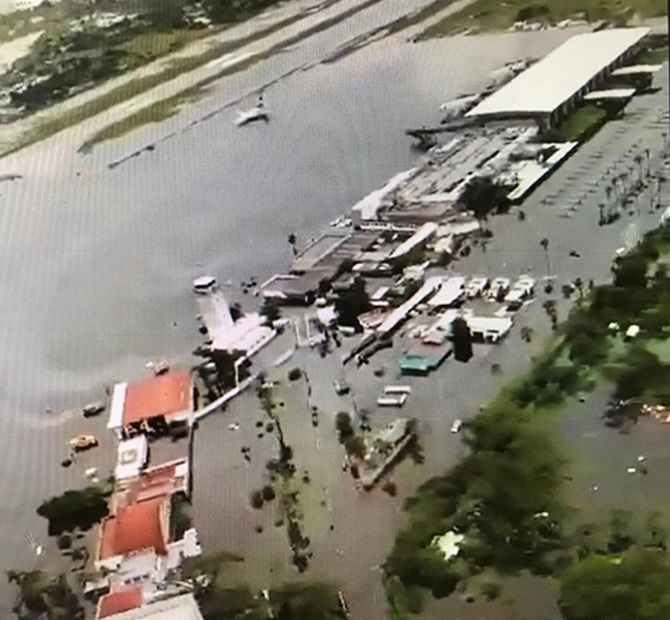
x=482 y=195
x=633 y=586
x=75 y=509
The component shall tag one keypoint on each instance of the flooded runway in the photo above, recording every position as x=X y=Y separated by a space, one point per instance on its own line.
x=96 y=264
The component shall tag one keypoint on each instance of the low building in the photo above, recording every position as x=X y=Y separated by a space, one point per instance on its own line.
x=291 y=289
x=132 y=456
x=422 y=358
x=141 y=544
x=416 y=243
x=164 y=480
x=482 y=328
x=153 y=405
x=120 y=601
x=123 y=605
x=552 y=87
x=450 y=293
x=488 y=328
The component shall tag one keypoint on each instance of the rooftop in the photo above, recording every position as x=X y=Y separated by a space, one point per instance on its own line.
x=637 y=69
x=137 y=527
x=119 y=601
x=543 y=87
x=334 y=247
x=159 y=481
x=610 y=93
x=182 y=607
x=451 y=290
x=164 y=396
x=131 y=457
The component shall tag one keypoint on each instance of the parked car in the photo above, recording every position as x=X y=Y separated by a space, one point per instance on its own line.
x=456 y=426
x=341 y=387
x=93 y=409
x=476 y=286
x=83 y=442
x=499 y=288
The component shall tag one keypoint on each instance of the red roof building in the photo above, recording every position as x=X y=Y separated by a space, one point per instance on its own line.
x=162 y=480
x=169 y=397
x=138 y=527
x=119 y=601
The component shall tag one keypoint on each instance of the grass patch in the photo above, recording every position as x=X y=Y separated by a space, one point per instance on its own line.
x=488 y=15
x=58 y=122
x=155 y=113
x=149 y=46
x=579 y=125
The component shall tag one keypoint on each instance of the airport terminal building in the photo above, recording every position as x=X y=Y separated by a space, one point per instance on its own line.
x=553 y=86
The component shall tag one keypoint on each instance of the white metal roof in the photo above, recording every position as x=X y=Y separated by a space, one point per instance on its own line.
x=499 y=325
x=548 y=83
x=132 y=457
x=635 y=69
x=117 y=405
x=450 y=291
x=610 y=93
x=426 y=231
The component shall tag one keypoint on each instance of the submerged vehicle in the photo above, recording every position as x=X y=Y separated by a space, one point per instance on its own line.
x=93 y=409
x=257 y=113
x=476 y=286
x=83 y=442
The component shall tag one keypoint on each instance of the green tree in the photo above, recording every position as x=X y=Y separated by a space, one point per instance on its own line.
x=75 y=509
x=482 y=196
x=165 y=14
x=343 y=426
x=352 y=303
x=355 y=446
x=631 y=272
x=634 y=585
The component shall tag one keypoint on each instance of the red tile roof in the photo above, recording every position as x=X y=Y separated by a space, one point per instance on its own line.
x=160 y=480
x=159 y=396
x=135 y=528
x=119 y=601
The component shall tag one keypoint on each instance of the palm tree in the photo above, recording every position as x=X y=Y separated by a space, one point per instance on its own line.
x=485 y=244
x=545 y=246
x=638 y=160
x=647 y=155
x=292 y=241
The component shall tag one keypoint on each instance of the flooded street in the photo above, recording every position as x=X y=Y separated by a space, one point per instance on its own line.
x=96 y=268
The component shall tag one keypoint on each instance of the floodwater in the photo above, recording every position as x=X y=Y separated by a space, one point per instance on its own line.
x=96 y=264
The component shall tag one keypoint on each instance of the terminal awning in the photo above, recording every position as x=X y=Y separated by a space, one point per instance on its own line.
x=612 y=93
x=637 y=70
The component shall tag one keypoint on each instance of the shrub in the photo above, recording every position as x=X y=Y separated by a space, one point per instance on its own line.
x=343 y=426
x=532 y=11
x=75 y=509
x=64 y=541
x=268 y=493
x=256 y=500
x=491 y=590
x=294 y=374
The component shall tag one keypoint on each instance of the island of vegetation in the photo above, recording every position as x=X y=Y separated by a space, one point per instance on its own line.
x=504 y=502
x=487 y=15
